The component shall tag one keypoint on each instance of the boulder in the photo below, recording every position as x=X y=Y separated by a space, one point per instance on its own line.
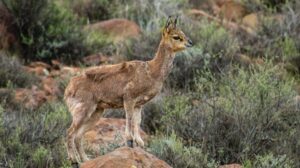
x=51 y=86
x=117 y=30
x=38 y=68
x=96 y=59
x=30 y=98
x=38 y=71
x=107 y=131
x=128 y=158
x=231 y=166
x=232 y=11
x=251 y=21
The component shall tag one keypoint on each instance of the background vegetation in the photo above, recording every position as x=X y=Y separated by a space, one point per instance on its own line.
x=216 y=108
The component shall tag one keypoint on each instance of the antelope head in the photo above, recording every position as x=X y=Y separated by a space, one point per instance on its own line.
x=174 y=37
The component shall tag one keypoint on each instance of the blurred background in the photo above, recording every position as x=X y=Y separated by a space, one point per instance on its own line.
x=231 y=98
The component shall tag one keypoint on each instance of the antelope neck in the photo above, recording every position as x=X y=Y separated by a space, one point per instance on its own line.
x=161 y=64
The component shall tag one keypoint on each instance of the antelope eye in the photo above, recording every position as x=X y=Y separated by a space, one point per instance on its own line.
x=176 y=38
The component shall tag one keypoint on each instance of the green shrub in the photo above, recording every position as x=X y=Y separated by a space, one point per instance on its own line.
x=47 y=30
x=99 y=42
x=151 y=116
x=34 y=138
x=216 y=41
x=277 y=34
x=92 y=10
x=172 y=150
x=238 y=115
x=12 y=73
x=270 y=160
x=40 y=157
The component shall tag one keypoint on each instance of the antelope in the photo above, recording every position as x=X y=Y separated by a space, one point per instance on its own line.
x=127 y=85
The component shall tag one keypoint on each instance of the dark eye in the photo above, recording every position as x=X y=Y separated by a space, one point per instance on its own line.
x=176 y=38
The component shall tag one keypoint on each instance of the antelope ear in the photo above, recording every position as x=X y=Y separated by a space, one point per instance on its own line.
x=175 y=21
x=168 y=23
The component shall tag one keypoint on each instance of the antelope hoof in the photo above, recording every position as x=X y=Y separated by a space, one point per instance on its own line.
x=130 y=143
x=75 y=165
x=139 y=142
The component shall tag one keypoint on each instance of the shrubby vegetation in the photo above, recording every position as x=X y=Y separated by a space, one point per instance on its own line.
x=172 y=150
x=47 y=30
x=12 y=73
x=238 y=115
x=219 y=112
x=33 y=138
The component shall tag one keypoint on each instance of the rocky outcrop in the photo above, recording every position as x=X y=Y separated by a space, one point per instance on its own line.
x=106 y=132
x=251 y=20
x=128 y=158
x=96 y=59
x=229 y=10
x=231 y=166
x=50 y=87
x=30 y=98
x=117 y=29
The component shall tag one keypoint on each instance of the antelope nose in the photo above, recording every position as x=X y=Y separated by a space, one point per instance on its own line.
x=190 y=43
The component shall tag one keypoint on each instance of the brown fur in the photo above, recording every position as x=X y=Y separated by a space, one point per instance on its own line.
x=127 y=85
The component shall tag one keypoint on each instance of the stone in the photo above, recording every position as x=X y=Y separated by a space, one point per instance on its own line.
x=126 y=157
x=251 y=21
x=30 y=98
x=105 y=132
x=96 y=59
x=232 y=11
x=118 y=30
x=231 y=166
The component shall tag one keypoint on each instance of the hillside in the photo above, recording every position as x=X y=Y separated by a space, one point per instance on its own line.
x=231 y=100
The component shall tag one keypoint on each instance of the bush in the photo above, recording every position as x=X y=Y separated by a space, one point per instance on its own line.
x=270 y=160
x=34 y=138
x=12 y=73
x=99 y=42
x=41 y=157
x=237 y=116
x=92 y=10
x=171 y=150
x=277 y=34
x=47 y=30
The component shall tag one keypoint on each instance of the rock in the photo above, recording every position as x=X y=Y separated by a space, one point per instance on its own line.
x=128 y=158
x=30 y=98
x=232 y=11
x=71 y=70
x=38 y=68
x=117 y=29
x=38 y=71
x=56 y=64
x=50 y=86
x=220 y=3
x=95 y=59
x=105 y=132
x=251 y=21
x=39 y=64
x=231 y=166
x=258 y=61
